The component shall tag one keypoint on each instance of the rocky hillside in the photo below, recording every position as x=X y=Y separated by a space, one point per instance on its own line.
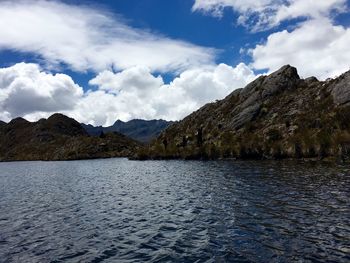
x=275 y=116
x=58 y=138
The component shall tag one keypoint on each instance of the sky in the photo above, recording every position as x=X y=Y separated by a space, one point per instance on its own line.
x=99 y=61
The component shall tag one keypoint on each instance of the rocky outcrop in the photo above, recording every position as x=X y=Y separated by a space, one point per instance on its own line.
x=340 y=89
x=261 y=90
x=275 y=116
x=59 y=138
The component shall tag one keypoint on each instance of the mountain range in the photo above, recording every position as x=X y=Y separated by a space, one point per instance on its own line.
x=275 y=116
x=141 y=130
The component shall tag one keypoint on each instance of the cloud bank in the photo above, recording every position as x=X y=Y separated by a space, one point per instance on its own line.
x=316 y=47
x=260 y=15
x=88 y=38
x=26 y=90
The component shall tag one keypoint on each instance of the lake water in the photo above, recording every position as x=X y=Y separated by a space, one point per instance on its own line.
x=174 y=211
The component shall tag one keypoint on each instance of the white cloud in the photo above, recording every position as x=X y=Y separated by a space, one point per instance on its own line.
x=136 y=93
x=216 y=7
x=309 y=8
x=131 y=93
x=264 y=14
x=25 y=89
x=137 y=78
x=88 y=38
x=316 y=47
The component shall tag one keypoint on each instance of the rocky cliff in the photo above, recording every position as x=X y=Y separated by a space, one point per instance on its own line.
x=275 y=116
x=58 y=138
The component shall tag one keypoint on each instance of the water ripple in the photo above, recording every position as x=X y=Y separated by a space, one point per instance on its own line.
x=174 y=211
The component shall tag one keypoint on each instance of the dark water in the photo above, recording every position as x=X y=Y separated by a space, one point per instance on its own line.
x=173 y=211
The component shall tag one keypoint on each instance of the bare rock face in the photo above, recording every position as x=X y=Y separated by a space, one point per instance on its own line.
x=285 y=78
x=246 y=114
x=259 y=91
x=341 y=89
x=275 y=116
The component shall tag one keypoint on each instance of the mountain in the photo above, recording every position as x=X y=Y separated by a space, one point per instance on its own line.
x=275 y=116
x=140 y=130
x=58 y=138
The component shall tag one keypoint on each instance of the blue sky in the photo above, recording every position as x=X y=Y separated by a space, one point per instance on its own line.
x=99 y=61
x=173 y=19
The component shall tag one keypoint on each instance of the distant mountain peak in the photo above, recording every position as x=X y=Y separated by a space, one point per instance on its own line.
x=59 y=116
x=118 y=122
x=138 y=129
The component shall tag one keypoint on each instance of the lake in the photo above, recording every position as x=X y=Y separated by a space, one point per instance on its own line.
x=117 y=210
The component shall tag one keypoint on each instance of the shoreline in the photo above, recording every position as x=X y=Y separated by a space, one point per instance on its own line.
x=329 y=160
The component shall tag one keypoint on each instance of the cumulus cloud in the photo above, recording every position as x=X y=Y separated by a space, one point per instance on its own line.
x=131 y=93
x=136 y=93
x=265 y=14
x=25 y=89
x=315 y=47
x=88 y=38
